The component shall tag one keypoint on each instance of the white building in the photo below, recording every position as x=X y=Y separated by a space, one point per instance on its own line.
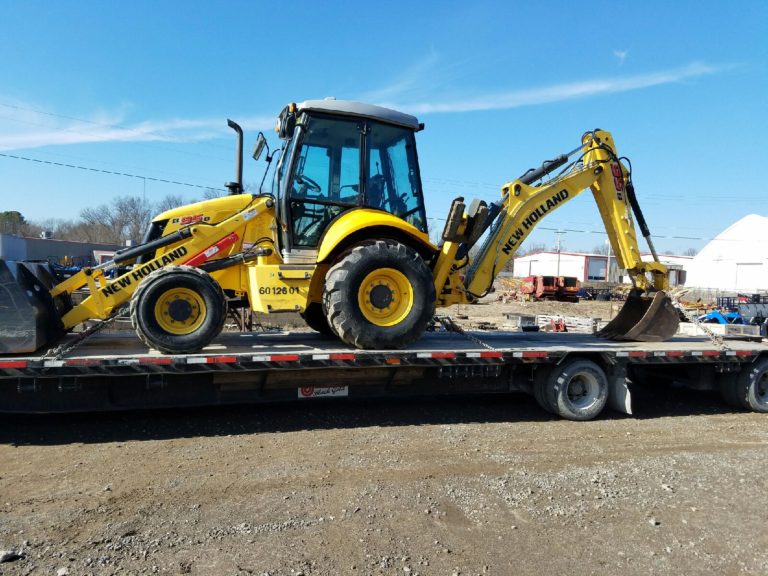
x=587 y=267
x=736 y=260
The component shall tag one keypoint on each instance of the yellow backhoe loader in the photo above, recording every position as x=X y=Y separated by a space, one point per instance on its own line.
x=341 y=238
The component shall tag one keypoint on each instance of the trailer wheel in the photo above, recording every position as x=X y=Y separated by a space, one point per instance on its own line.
x=379 y=296
x=178 y=309
x=727 y=385
x=752 y=386
x=577 y=389
x=315 y=319
x=540 y=388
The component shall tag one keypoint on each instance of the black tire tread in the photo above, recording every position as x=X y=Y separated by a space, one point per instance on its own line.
x=145 y=338
x=337 y=309
x=746 y=383
x=553 y=389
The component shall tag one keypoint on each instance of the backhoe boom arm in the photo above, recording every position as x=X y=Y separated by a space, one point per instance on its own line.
x=524 y=205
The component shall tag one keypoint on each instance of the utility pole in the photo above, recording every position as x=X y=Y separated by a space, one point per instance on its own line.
x=557 y=247
x=608 y=265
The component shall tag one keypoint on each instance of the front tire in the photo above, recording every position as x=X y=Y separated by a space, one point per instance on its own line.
x=178 y=310
x=379 y=296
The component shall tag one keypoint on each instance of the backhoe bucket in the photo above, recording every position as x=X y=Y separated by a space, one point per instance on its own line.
x=644 y=319
x=28 y=316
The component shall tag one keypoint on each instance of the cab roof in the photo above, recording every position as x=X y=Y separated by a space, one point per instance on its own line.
x=360 y=109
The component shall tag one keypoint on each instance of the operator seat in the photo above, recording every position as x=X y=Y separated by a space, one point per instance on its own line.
x=374 y=192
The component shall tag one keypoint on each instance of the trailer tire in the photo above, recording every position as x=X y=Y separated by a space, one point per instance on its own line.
x=178 y=310
x=727 y=386
x=315 y=318
x=752 y=386
x=379 y=296
x=577 y=389
x=540 y=388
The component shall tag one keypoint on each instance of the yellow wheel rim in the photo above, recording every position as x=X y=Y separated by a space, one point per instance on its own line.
x=385 y=297
x=180 y=311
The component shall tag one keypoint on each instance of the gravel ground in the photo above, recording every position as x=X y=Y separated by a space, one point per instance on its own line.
x=454 y=486
x=479 y=485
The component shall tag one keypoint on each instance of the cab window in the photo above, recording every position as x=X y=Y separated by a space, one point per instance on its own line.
x=392 y=177
x=326 y=176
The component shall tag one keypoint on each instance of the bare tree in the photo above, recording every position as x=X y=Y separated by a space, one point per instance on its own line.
x=126 y=219
x=169 y=202
x=601 y=249
x=690 y=252
x=212 y=193
x=531 y=248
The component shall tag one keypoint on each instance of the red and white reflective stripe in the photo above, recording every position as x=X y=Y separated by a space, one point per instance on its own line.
x=674 y=353
x=436 y=355
x=744 y=352
x=343 y=356
x=211 y=359
x=155 y=360
x=13 y=364
x=632 y=354
x=530 y=354
x=83 y=362
x=284 y=357
x=211 y=251
x=278 y=358
x=338 y=356
x=707 y=353
x=492 y=354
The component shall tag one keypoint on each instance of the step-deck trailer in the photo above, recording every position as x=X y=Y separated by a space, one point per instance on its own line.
x=572 y=375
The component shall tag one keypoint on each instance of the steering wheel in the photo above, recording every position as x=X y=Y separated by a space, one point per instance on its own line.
x=307 y=183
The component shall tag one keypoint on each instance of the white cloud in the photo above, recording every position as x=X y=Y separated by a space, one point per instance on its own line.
x=25 y=126
x=559 y=92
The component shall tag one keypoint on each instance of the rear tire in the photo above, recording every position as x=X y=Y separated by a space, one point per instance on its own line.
x=315 y=319
x=178 y=309
x=577 y=389
x=379 y=296
x=540 y=388
x=727 y=385
x=752 y=386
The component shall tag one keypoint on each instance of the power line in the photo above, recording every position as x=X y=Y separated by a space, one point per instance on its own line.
x=102 y=171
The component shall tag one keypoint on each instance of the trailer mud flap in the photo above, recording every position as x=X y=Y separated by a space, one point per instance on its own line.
x=644 y=319
x=28 y=316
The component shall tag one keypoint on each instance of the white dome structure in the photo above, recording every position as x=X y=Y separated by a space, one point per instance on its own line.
x=736 y=260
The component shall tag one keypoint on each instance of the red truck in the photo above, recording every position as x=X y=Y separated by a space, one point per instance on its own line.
x=560 y=288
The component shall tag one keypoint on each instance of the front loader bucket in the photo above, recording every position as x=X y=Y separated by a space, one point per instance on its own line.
x=644 y=319
x=28 y=316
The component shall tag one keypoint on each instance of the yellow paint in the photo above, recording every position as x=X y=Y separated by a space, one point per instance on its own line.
x=363 y=219
x=270 y=290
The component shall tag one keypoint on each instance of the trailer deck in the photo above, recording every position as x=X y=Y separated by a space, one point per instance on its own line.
x=115 y=371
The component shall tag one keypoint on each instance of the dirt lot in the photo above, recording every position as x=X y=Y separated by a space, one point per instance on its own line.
x=484 y=485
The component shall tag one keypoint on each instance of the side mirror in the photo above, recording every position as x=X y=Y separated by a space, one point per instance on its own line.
x=261 y=143
x=286 y=122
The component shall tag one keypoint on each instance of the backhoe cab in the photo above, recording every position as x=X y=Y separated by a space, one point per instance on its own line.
x=341 y=238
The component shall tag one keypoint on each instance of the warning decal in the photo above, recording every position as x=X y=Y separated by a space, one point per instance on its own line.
x=323 y=391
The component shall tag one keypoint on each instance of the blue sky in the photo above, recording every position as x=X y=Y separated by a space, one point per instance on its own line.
x=145 y=88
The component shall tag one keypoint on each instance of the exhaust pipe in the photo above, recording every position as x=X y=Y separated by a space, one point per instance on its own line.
x=236 y=187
